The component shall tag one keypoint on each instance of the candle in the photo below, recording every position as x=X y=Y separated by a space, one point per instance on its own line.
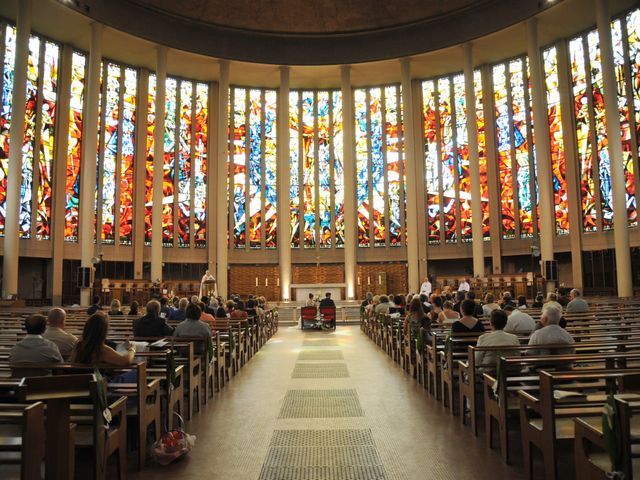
x=256 y=281
x=278 y=281
x=266 y=282
x=368 y=280
x=358 y=281
x=379 y=279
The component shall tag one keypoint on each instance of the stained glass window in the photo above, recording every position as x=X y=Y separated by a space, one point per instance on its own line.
x=184 y=164
x=74 y=149
x=589 y=116
x=556 y=142
x=127 y=155
x=253 y=130
x=380 y=166
x=362 y=166
x=184 y=174
x=317 y=183
x=148 y=179
x=482 y=155
x=47 y=139
x=109 y=150
x=294 y=178
x=432 y=164
x=447 y=168
x=633 y=40
x=38 y=141
x=200 y=168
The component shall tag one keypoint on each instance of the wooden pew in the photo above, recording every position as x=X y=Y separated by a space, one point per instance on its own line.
x=21 y=439
x=546 y=422
x=591 y=457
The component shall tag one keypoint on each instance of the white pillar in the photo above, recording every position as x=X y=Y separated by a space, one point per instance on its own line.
x=11 y=253
x=477 y=243
x=212 y=152
x=89 y=148
x=350 y=207
x=546 y=208
x=222 y=217
x=411 y=239
x=284 y=226
x=620 y=225
x=158 y=161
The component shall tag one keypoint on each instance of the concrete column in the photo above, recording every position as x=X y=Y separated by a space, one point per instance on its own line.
x=349 y=162
x=571 y=161
x=477 y=243
x=419 y=172
x=411 y=238
x=60 y=173
x=158 y=161
x=14 y=170
x=140 y=173
x=284 y=227
x=546 y=209
x=222 y=220
x=492 y=169
x=621 y=226
x=89 y=148
x=212 y=142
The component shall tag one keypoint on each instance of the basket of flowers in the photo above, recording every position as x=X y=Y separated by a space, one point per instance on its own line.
x=173 y=444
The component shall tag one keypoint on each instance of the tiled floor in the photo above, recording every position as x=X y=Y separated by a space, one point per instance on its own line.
x=392 y=430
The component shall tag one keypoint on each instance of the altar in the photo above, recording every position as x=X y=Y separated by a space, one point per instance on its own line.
x=301 y=291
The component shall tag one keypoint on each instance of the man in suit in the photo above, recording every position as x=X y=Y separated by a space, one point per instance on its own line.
x=327 y=301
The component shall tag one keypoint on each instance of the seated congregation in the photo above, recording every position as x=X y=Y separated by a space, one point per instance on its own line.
x=533 y=377
x=136 y=374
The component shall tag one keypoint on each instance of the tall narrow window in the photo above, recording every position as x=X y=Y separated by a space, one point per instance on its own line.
x=201 y=166
x=294 y=162
x=482 y=155
x=149 y=158
x=184 y=164
x=127 y=155
x=169 y=163
x=362 y=166
x=432 y=173
x=74 y=149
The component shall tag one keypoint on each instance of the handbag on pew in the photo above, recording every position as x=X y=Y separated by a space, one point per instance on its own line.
x=173 y=444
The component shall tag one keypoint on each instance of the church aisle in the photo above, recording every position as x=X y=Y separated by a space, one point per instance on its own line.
x=365 y=420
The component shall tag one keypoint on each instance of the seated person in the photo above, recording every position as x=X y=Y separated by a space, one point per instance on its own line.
x=91 y=349
x=448 y=315
x=133 y=309
x=95 y=306
x=415 y=320
x=519 y=321
x=165 y=309
x=497 y=337
x=178 y=313
x=327 y=301
x=489 y=304
x=311 y=302
x=507 y=299
x=193 y=326
x=34 y=349
x=538 y=302
x=238 y=311
x=479 y=311
x=398 y=305
x=563 y=296
x=152 y=324
x=577 y=303
x=551 y=333
x=460 y=296
x=551 y=302
x=208 y=308
x=383 y=305
x=220 y=311
x=55 y=331
x=522 y=302
x=115 y=307
x=467 y=323
x=204 y=316
x=368 y=300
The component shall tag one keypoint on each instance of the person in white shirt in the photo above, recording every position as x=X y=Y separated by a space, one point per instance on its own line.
x=464 y=286
x=577 y=303
x=551 y=333
x=56 y=333
x=551 y=302
x=519 y=321
x=425 y=288
x=496 y=338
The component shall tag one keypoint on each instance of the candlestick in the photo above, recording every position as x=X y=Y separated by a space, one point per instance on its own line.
x=368 y=280
x=266 y=282
x=256 y=281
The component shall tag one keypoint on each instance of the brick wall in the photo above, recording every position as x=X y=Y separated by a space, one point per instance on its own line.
x=242 y=280
x=384 y=278
x=324 y=273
